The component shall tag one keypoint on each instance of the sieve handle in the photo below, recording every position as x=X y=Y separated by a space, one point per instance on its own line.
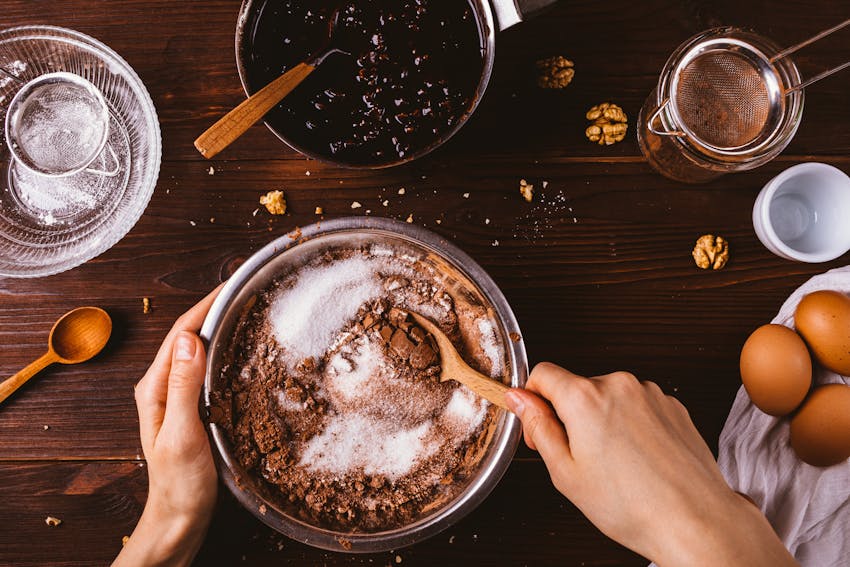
x=111 y=173
x=655 y=116
x=786 y=52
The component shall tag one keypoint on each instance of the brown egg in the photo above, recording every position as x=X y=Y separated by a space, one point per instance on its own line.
x=776 y=369
x=823 y=319
x=820 y=431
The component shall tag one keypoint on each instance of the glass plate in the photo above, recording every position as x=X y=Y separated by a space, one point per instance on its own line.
x=51 y=224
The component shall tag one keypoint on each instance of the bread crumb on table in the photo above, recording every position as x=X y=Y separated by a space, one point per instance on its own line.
x=52 y=522
x=274 y=202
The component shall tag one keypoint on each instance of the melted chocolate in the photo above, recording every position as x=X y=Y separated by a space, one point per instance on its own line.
x=411 y=75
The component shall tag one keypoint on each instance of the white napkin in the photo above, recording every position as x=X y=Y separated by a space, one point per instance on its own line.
x=809 y=507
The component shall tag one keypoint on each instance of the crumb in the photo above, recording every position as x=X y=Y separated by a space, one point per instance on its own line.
x=526 y=190
x=52 y=522
x=193 y=223
x=319 y=210
x=355 y=205
x=257 y=210
x=401 y=191
x=46 y=427
x=274 y=202
x=545 y=184
x=212 y=220
x=124 y=540
x=438 y=221
x=385 y=203
x=263 y=509
x=515 y=336
x=146 y=305
x=345 y=543
x=495 y=243
x=295 y=234
x=466 y=195
x=368 y=211
x=486 y=221
x=410 y=217
x=211 y=171
x=398 y=559
x=307 y=173
x=452 y=539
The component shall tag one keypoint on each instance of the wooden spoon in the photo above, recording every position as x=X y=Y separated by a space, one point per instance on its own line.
x=76 y=337
x=250 y=111
x=454 y=368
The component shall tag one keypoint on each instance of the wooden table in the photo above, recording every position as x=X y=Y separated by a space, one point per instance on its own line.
x=597 y=269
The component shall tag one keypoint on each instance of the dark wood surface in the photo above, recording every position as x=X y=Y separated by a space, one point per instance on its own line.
x=598 y=269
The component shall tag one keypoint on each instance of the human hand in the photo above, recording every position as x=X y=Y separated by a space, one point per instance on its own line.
x=182 y=480
x=630 y=458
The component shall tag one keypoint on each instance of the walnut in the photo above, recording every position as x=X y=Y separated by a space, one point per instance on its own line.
x=274 y=202
x=146 y=305
x=526 y=190
x=609 y=124
x=319 y=210
x=554 y=72
x=124 y=540
x=711 y=252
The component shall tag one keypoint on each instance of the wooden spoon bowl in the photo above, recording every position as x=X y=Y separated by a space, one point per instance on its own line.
x=453 y=367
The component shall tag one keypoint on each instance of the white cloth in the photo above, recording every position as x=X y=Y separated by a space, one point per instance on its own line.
x=809 y=507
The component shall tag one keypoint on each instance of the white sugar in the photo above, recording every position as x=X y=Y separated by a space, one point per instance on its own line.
x=350 y=378
x=306 y=317
x=490 y=344
x=466 y=409
x=377 y=447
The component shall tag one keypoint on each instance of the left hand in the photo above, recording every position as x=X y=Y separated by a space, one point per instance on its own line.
x=182 y=479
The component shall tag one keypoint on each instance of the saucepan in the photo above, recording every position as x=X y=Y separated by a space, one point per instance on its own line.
x=491 y=16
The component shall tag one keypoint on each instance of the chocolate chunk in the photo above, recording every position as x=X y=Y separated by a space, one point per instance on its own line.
x=401 y=345
x=422 y=356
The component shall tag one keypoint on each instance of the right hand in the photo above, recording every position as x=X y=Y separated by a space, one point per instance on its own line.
x=630 y=458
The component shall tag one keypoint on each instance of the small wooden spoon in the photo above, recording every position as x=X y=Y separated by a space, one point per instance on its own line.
x=236 y=122
x=76 y=337
x=454 y=368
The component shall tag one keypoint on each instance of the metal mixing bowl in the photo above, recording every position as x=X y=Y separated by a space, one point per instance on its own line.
x=289 y=252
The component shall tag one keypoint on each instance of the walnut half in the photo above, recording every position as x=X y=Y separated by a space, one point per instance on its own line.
x=711 y=252
x=609 y=124
x=554 y=72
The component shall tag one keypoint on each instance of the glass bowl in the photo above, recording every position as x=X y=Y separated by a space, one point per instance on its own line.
x=51 y=223
x=291 y=251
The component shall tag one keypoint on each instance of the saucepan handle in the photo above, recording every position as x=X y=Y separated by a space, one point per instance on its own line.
x=511 y=12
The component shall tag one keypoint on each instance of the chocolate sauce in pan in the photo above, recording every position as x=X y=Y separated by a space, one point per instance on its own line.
x=411 y=76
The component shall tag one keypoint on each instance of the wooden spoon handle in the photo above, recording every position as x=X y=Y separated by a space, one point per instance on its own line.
x=9 y=385
x=489 y=389
x=237 y=121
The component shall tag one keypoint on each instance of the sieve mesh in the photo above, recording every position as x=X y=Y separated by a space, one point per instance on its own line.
x=722 y=99
x=58 y=126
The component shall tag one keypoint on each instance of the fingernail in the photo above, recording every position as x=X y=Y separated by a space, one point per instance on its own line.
x=184 y=346
x=515 y=403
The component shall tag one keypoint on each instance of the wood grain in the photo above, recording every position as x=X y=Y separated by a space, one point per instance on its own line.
x=597 y=268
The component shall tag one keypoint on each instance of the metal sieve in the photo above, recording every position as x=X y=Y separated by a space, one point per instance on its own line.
x=57 y=124
x=727 y=100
